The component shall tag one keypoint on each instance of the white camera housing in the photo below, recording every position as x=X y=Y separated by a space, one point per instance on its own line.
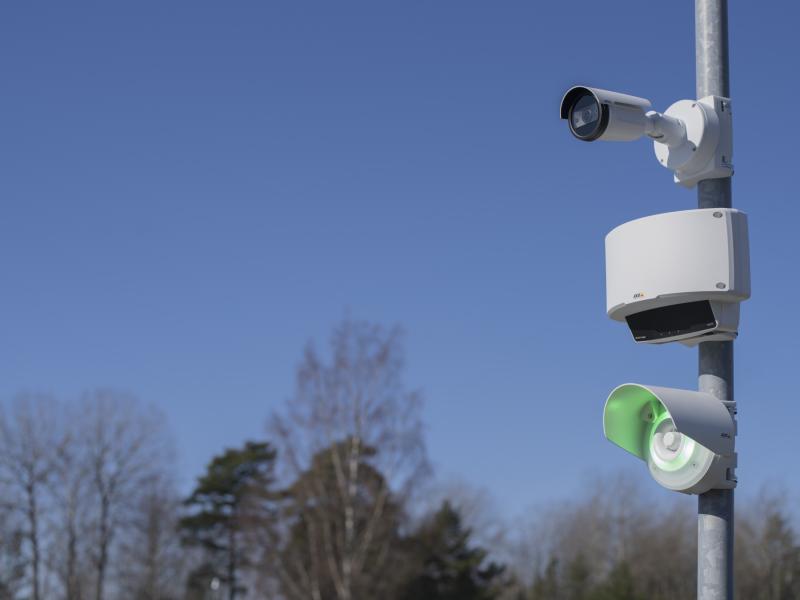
x=693 y=138
x=687 y=438
x=679 y=276
x=595 y=114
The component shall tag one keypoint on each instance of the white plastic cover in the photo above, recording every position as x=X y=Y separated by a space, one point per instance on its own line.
x=677 y=257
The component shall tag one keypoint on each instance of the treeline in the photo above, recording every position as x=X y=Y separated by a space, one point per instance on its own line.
x=327 y=506
x=618 y=543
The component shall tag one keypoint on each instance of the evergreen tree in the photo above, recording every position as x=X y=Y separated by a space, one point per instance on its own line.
x=578 y=574
x=232 y=499
x=200 y=582
x=783 y=573
x=450 y=568
x=546 y=585
x=619 y=585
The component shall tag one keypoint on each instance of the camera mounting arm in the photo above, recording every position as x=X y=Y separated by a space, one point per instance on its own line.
x=664 y=129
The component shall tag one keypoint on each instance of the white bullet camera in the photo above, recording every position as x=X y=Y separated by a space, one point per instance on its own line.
x=693 y=138
x=679 y=276
x=685 y=437
x=595 y=114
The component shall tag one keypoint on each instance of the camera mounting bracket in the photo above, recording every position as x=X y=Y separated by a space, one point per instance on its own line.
x=705 y=152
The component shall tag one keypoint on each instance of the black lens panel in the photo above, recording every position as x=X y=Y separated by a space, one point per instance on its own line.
x=672 y=321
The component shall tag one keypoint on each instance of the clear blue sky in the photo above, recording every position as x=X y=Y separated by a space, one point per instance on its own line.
x=191 y=190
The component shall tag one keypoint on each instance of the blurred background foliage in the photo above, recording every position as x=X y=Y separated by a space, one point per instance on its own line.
x=336 y=502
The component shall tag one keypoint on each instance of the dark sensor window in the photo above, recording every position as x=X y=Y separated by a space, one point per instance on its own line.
x=671 y=321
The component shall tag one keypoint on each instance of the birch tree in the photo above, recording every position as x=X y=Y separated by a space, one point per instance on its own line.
x=351 y=434
x=69 y=489
x=151 y=561
x=126 y=445
x=29 y=439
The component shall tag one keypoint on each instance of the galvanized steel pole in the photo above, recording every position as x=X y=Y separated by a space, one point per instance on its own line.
x=715 y=508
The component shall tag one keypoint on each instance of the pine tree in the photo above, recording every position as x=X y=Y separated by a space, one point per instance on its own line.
x=232 y=498
x=450 y=568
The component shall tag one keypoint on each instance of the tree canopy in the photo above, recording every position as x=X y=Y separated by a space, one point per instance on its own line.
x=233 y=498
x=449 y=567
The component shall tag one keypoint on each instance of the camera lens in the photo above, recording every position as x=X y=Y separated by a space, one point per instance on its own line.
x=585 y=116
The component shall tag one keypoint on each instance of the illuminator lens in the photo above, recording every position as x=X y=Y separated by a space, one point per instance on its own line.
x=675 y=460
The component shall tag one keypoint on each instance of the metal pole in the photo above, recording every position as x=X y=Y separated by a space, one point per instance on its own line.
x=715 y=508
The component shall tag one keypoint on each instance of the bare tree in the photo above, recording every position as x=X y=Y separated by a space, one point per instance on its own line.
x=151 y=562
x=29 y=440
x=12 y=559
x=69 y=488
x=125 y=445
x=616 y=523
x=768 y=550
x=351 y=435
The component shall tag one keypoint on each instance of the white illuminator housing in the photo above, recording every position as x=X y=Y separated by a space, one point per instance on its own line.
x=685 y=437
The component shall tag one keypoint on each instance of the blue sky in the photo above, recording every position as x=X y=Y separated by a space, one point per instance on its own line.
x=192 y=190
